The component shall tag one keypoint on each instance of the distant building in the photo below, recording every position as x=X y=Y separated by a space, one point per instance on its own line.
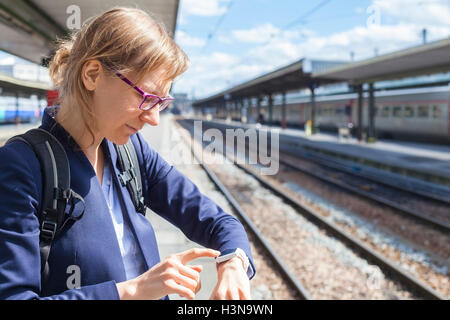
x=182 y=103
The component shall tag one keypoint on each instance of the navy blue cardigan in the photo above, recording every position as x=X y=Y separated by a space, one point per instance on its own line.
x=91 y=242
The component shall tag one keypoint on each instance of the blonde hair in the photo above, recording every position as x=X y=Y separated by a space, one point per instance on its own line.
x=128 y=39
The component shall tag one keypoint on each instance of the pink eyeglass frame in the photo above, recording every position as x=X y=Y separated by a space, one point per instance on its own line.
x=163 y=102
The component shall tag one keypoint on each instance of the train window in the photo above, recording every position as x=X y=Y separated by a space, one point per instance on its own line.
x=422 y=111
x=408 y=112
x=436 y=112
x=386 y=111
x=397 y=111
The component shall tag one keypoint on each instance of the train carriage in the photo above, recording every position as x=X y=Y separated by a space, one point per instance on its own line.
x=419 y=114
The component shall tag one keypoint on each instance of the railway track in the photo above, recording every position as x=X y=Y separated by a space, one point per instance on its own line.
x=288 y=276
x=404 y=200
x=362 y=249
x=398 y=199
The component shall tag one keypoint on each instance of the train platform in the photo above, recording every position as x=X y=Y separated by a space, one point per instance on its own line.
x=418 y=160
x=9 y=130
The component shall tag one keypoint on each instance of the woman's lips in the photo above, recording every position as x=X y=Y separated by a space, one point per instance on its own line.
x=133 y=130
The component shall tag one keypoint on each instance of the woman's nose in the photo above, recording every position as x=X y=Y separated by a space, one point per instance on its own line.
x=151 y=116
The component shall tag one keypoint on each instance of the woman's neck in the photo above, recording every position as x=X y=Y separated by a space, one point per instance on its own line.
x=74 y=124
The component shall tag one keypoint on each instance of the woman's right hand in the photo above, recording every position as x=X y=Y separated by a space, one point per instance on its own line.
x=171 y=275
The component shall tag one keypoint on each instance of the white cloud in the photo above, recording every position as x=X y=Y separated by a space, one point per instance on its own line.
x=204 y=8
x=215 y=72
x=363 y=41
x=275 y=53
x=420 y=12
x=259 y=34
x=185 y=40
x=263 y=33
x=400 y=27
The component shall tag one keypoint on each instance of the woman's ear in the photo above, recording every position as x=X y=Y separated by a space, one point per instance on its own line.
x=90 y=74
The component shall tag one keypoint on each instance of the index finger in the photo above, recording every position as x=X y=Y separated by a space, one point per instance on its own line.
x=195 y=253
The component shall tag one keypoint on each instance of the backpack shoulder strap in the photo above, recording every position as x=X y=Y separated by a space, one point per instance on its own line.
x=56 y=188
x=130 y=174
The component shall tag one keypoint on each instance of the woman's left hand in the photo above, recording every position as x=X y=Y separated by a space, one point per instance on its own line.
x=233 y=282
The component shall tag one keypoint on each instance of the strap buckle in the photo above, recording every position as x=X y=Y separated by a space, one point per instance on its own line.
x=48 y=229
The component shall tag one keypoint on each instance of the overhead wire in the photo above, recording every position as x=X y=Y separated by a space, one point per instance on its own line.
x=219 y=22
x=272 y=37
x=288 y=26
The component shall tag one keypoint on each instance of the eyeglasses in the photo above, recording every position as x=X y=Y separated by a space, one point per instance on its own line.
x=148 y=100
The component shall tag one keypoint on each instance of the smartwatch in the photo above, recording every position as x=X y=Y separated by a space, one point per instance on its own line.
x=229 y=254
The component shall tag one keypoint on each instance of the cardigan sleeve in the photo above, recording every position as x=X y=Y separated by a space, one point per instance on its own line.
x=176 y=198
x=20 y=276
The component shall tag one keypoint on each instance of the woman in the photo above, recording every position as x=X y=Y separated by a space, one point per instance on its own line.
x=112 y=77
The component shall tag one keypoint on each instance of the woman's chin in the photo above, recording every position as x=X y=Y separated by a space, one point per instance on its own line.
x=120 y=140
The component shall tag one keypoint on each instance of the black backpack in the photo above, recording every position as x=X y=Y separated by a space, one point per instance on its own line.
x=56 y=192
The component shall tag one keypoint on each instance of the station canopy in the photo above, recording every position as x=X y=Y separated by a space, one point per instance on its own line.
x=430 y=58
x=291 y=77
x=29 y=28
x=11 y=84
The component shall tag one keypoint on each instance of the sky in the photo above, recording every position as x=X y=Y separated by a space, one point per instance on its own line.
x=230 y=42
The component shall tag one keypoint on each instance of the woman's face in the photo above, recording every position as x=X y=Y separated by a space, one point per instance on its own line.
x=116 y=105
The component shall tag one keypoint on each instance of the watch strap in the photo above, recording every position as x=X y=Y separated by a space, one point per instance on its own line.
x=229 y=254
